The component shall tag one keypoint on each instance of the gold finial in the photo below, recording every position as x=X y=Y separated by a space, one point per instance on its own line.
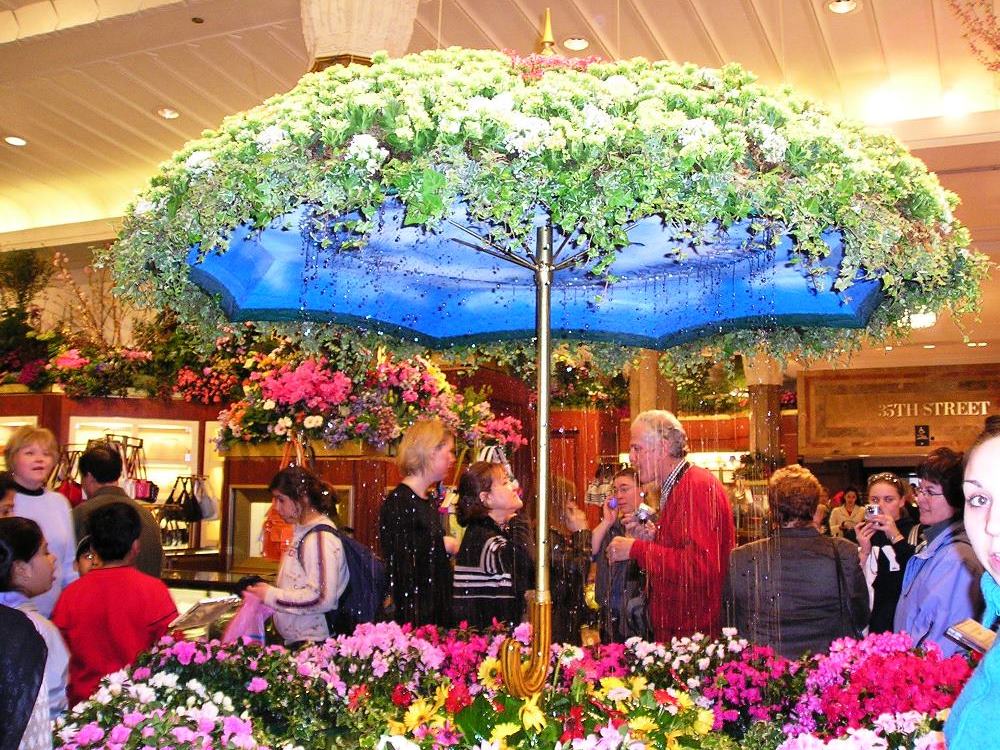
x=548 y=41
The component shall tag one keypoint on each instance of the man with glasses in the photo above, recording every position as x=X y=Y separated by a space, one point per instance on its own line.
x=685 y=554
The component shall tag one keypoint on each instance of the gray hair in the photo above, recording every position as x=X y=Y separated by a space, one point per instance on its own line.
x=665 y=426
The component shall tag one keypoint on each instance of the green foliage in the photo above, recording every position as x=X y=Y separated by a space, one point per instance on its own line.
x=23 y=274
x=707 y=386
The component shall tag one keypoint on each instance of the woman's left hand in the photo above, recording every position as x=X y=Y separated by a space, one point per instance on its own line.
x=258 y=589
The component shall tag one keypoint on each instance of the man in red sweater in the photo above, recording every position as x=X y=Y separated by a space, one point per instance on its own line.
x=114 y=613
x=686 y=553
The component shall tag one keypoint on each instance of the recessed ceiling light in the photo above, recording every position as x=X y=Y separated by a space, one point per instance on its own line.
x=930 y=346
x=16 y=140
x=972 y=344
x=888 y=348
x=167 y=113
x=841 y=7
x=923 y=319
x=576 y=43
x=981 y=343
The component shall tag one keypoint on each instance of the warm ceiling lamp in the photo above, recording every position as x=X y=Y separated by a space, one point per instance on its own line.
x=15 y=140
x=167 y=113
x=842 y=6
x=576 y=44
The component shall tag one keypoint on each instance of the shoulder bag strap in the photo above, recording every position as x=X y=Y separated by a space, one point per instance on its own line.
x=846 y=616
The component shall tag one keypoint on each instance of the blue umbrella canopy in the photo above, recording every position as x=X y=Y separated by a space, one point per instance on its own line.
x=669 y=286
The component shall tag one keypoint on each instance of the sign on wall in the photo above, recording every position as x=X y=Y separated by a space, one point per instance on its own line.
x=899 y=412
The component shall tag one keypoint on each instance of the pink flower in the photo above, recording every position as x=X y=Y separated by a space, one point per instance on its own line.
x=89 y=734
x=257 y=685
x=71 y=360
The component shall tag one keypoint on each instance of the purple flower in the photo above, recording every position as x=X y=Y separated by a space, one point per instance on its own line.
x=257 y=685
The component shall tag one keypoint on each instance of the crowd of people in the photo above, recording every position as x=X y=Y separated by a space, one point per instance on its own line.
x=660 y=572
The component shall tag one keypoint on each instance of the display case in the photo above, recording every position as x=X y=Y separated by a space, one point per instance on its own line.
x=10 y=423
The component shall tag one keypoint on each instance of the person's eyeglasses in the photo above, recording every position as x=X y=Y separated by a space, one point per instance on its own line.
x=928 y=493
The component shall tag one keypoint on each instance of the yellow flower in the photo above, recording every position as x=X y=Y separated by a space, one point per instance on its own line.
x=395 y=727
x=502 y=731
x=641 y=724
x=609 y=684
x=440 y=696
x=705 y=721
x=671 y=738
x=489 y=673
x=531 y=715
x=639 y=686
x=684 y=700
x=419 y=712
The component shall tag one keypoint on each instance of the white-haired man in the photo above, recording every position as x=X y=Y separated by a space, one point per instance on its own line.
x=686 y=554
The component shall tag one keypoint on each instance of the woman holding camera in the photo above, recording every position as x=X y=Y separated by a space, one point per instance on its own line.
x=885 y=545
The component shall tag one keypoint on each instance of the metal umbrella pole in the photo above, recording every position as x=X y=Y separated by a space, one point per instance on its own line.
x=524 y=678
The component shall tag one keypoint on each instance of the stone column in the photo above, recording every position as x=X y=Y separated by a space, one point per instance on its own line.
x=350 y=31
x=648 y=388
x=763 y=374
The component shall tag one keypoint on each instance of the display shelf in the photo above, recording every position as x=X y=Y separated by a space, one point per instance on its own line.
x=10 y=423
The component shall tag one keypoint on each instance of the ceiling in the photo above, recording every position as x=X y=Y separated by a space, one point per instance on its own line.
x=81 y=81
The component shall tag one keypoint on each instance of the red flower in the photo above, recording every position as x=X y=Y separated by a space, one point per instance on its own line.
x=401 y=696
x=355 y=696
x=573 y=725
x=458 y=698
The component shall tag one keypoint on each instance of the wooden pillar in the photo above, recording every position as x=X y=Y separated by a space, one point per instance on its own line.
x=763 y=374
x=648 y=388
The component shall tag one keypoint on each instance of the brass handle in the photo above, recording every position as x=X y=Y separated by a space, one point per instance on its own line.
x=525 y=678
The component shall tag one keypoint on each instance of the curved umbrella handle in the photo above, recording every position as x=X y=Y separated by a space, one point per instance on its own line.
x=525 y=678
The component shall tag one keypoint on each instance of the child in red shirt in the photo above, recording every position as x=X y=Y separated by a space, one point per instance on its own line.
x=114 y=613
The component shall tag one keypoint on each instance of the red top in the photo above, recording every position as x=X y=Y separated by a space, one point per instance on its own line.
x=687 y=563
x=108 y=617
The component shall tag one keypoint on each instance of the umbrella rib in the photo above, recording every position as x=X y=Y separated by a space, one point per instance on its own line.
x=489 y=248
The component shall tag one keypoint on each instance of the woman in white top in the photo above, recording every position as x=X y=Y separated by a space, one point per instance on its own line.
x=31 y=454
x=27 y=569
x=313 y=572
x=845 y=517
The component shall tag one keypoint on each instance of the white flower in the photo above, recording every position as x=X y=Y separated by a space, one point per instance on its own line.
x=164 y=679
x=696 y=130
x=269 y=404
x=271 y=136
x=620 y=87
x=395 y=742
x=315 y=420
x=142 y=206
x=143 y=693
x=199 y=161
x=285 y=422
x=103 y=695
x=364 y=150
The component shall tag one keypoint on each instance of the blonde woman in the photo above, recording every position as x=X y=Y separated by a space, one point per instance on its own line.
x=31 y=455
x=411 y=532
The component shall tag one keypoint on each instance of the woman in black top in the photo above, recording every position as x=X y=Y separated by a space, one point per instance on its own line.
x=494 y=565
x=885 y=547
x=411 y=533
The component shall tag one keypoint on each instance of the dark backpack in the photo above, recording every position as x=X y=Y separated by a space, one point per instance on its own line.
x=362 y=600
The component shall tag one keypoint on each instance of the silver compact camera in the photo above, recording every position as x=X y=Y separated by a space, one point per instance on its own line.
x=871 y=510
x=644 y=513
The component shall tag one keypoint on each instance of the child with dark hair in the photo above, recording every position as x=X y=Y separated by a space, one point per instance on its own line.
x=86 y=560
x=8 y=489
x=27 y=569
x=494 y=562
x=114 y=613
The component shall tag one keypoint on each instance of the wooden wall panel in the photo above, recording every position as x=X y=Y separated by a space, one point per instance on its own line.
x=877 y=412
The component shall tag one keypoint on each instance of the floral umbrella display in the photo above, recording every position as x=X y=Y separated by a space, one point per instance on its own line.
x=511 y=152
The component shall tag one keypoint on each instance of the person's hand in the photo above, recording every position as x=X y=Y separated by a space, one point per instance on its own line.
x=888 y=525
x=258 y=589
x=619 y=549
x=609 y=515
x=451 y=545
x=645 y=530
x=574 y=518
x=864 y=531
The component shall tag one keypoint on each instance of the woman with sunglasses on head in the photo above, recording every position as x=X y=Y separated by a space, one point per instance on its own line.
x=885 y=546
x=974 y=717
x=941 y=580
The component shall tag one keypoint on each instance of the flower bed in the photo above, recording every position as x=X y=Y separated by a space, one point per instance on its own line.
x=387 y=687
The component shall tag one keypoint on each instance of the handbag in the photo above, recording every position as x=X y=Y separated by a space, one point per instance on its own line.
x=846 y=615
